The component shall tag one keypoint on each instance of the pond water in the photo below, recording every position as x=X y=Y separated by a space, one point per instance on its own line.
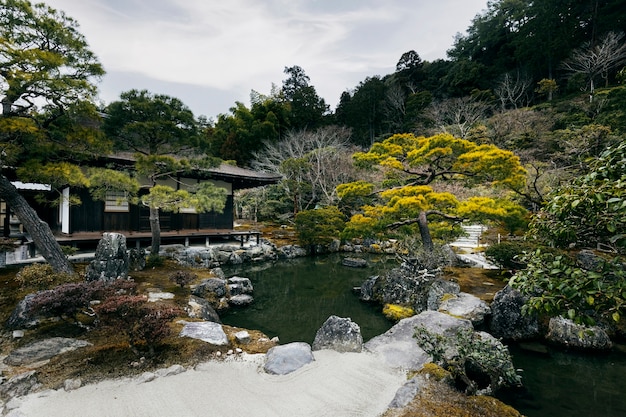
x=294 y=298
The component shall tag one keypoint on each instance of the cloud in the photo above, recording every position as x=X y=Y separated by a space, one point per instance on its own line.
x=239 y=45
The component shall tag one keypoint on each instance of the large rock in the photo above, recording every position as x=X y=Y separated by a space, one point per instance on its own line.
x=19 y=385
x=291 y=252
x=199 y=308
x=43 y=350
x=211 y=288
x=110 y=260
x=240 y=285
x=240 y=300
x=566 y=333
x=507 y=321
x=22 y=315
x=466 y=306
x=354 y=262
x=398 y=347
x=284 y=359
x=340 y=334
x=206 y=331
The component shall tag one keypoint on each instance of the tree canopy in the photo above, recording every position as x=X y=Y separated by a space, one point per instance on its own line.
x=47 y=75
x=412 y=166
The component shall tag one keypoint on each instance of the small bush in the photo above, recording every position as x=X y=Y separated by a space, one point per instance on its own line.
x=507 y=254
x=143 y=323
x=182 y=278
x=154 y=261
x=40 y=277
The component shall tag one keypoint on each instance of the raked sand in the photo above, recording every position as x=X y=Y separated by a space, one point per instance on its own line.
x=335 y=384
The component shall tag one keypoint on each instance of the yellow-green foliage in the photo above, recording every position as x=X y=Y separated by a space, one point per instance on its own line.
x=435 y=371
x=354 y=189
x=40 y=277
x=397 y=312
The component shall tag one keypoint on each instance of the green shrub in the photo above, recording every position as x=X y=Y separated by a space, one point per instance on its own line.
x=556 y=285
x=154 y=261
x=41 y=277
x=506 y=255
x=319 y=226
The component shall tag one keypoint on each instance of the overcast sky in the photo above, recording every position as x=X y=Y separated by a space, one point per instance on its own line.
x=212 y=53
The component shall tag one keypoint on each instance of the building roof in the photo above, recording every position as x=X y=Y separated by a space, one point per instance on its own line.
x=240 y=178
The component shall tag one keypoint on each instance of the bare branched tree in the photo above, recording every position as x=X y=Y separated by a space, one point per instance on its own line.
x=597 y=60
x=324 y=161
x=457 y=116
x=514 y=90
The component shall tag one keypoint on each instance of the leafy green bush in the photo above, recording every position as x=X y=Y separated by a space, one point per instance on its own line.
x=319 y=226
x=557 y=286
x=154 y=261
x=506 y=254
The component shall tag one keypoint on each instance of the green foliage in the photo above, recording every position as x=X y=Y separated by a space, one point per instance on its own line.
x=319 y=226
x=397 y=312
x=40 y=277
x=154 y=260
x=102 y=180
x=475 y=357
x=507 y=254
x=591 y=210
x=556 y=285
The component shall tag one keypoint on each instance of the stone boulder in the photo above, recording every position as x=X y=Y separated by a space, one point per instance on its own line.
x=354 y=262
x=507 y=321
x=438 y=290
x=284 y=359
x=240 y=300
x=19 y=385
x=404 y=286
x=211 y=289
x=207 y=331
x=466 y=306
x=240 y=285
x=43 y=350
x=110 y=260
x=199 y=308
x=566 y=333
x=291 y=252
x=398 y=348
x=137 y=259
x=340 y=334
x=22 y=316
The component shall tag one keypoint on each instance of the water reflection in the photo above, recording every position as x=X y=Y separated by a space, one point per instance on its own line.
x=294 y=298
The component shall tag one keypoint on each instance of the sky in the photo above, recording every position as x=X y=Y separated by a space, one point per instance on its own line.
x=212 y=53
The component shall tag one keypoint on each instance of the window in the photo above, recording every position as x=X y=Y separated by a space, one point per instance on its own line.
x=116 y=201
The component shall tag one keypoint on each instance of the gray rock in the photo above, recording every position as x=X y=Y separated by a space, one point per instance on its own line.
x=211 y=288
x=291 y=252
x=407 y=392
x=206 y=331
x=367 y=289
x=72 y=384
x=565 y=332
x=398 y=347
x=154 y=296
x=588 y=260
x=110 y=260
x=437 y=289
x=19 y=385
x=199 y=308
x=22 y=316
x=507 y=321
x=146 y=377
x=240 y=285
x=241 y=300
x=466 y=306
x=242 y=337
x=284 y=359
x=405 y=286
x=43 y=350
x=137 y=259
x=354 y=262
x=340 y=334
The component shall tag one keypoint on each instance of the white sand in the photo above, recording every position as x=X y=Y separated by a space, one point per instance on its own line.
x=335 y=384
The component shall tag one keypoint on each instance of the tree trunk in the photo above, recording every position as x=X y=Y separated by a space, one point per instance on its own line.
x=38 y=229
x=427 y=240
x=155 y=228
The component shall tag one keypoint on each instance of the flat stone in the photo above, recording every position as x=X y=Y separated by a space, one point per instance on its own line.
x=466 y=306
x=43 y=350
x=207 y=331
x=242 y=337
x=284 y=359
x=241 y=300
x=157 y=296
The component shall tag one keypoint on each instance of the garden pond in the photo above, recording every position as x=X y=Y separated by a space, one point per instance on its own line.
x=293 y=298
